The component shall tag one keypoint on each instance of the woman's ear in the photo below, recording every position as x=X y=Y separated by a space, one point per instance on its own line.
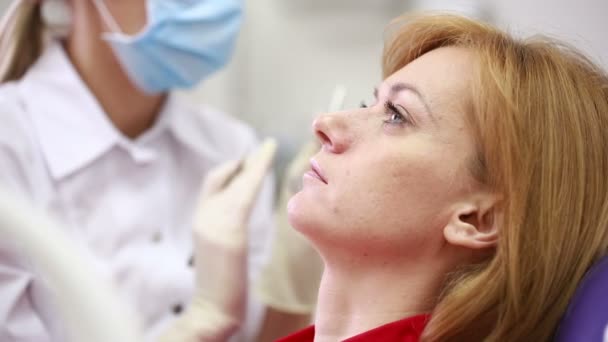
x=474 y=223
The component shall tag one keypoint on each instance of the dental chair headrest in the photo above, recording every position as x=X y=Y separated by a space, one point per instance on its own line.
x=586 y=318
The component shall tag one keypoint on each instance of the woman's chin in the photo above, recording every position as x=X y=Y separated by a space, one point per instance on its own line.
x=294 y=211
x=300 y=214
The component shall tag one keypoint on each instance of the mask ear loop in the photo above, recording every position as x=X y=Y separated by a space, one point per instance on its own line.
x=106 y=16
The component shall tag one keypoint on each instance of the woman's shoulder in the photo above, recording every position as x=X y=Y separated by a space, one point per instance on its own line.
x=212 y=116
x=209 y=126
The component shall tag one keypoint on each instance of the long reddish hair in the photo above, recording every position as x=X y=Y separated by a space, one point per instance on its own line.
x=540 y=119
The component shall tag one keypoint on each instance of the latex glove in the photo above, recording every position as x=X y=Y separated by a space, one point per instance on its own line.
x=290 y=281
x=220 y=244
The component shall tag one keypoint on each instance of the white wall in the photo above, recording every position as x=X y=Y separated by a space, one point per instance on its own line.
x=583 y=23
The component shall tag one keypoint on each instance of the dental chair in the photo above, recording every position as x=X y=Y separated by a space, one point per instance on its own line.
x=89 y=306
x=586 y=319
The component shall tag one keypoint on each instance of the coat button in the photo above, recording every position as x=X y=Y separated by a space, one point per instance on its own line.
x=157 y=237
x=177 y=309
x=191 y=261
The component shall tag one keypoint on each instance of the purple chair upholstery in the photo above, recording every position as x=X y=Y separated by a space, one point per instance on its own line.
x=587 y=315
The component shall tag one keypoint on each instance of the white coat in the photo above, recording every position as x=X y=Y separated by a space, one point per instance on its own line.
x=127 y=203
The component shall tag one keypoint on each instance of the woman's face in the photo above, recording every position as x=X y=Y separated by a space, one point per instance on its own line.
x=389 y=177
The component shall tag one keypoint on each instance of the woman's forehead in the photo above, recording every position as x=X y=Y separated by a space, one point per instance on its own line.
x=443 y=77
x=446 y=67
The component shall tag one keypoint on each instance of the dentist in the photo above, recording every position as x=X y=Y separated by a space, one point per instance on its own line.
x=91 y=133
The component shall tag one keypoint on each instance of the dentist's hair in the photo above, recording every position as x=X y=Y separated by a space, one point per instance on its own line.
x=539 y=114
x=21 y=38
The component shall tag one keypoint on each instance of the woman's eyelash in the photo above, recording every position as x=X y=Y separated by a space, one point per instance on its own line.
x=396 y=115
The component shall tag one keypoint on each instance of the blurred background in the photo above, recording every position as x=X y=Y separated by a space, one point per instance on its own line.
x=292 y=54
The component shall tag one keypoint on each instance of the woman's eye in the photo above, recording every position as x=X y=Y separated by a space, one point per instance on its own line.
x=395 y=117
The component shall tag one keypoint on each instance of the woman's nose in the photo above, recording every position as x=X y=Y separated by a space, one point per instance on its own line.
x=332 y=132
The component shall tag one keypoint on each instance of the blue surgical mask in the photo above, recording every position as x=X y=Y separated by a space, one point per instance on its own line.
x=183 y=43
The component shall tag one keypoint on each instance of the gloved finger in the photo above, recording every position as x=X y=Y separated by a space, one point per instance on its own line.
x=255 y=167
x=220 y=176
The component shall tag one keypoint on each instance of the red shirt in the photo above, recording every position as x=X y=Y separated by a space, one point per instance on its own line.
x=405 y=330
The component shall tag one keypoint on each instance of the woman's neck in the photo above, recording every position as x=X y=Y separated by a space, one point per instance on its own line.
x=352 y=301
x=129 y=109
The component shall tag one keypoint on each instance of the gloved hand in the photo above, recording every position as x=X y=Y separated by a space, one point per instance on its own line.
x=220 y=243
x=290 y=281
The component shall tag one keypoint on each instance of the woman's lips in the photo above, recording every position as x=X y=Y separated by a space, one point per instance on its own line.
x=316 y=172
